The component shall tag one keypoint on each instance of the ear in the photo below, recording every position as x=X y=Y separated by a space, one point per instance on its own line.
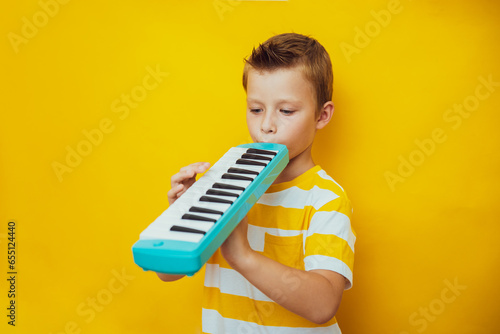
x=325 y=115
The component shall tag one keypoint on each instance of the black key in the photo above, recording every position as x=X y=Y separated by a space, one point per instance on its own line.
x=186 y=229
x=257 y=151
x=215 y=200
x=256 y=157
x=236 y=177
x=196 y=217
x=242 y=171
x=205 y=210
x=250 y=162
x=220 y=193
x=227 y=186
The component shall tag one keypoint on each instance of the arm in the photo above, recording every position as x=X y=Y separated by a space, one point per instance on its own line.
x=181 y=182
x=314 y=295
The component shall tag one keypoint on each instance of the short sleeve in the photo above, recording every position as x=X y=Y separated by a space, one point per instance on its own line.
x=329 y=240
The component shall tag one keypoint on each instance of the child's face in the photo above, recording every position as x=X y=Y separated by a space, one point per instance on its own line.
x=281 y=109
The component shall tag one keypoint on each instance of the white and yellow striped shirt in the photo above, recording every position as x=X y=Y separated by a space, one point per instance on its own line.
x=304 y=224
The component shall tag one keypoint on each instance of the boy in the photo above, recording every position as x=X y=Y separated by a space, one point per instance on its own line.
x=285 y=266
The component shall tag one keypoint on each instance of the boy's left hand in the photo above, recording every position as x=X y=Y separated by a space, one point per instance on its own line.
x=236 y=248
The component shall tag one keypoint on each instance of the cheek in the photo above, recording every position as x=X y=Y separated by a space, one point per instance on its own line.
x=300 y=138
x=297 y=132
x=251 y=125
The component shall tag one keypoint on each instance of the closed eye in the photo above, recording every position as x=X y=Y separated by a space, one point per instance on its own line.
x=287 y=112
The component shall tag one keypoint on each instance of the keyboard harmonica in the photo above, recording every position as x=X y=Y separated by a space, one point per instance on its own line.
x=184 y=237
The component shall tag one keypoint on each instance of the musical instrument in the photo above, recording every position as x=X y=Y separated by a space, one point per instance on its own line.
x=186 y=235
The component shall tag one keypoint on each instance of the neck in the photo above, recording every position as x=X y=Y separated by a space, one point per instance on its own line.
x=297 y=166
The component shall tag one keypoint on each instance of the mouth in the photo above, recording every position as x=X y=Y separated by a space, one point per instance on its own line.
x=266 y=140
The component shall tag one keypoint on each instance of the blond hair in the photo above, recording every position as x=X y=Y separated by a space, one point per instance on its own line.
x=289 y=50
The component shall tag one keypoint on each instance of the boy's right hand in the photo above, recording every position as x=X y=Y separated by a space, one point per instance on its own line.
x=181 y=181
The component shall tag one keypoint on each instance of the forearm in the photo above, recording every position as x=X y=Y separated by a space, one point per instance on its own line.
x=306 y=293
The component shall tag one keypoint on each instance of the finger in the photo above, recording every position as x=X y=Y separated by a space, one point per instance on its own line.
x=202 y=163
x=173 y=193
x=183 y=190
x=189 y=172
x=183 y=175
x=196 y=168
x=194 y=165
x=202 y=167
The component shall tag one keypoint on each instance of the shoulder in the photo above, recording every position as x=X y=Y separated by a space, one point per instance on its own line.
x=329 y=195
x=329 y=237
x=314 y=190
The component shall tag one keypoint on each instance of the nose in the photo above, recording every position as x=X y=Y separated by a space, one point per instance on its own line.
x=268 y=125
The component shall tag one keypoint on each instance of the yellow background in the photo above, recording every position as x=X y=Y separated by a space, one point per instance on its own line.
x=74 y=234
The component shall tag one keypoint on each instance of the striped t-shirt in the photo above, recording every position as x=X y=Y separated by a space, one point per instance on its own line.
x=304 y=224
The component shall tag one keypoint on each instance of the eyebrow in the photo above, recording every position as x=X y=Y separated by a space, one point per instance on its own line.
x=252 y=100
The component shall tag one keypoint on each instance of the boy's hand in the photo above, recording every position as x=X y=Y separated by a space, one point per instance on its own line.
x=181 y=181
x=236 y=250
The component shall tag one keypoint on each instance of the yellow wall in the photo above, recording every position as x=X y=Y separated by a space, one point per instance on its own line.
x=422 y=177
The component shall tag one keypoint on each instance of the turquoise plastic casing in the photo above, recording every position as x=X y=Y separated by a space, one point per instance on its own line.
x=187 y=258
